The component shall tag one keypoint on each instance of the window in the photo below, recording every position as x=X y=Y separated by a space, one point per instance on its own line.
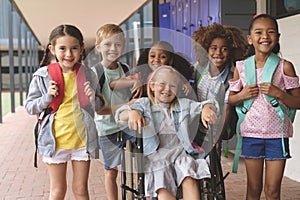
x=283 y=8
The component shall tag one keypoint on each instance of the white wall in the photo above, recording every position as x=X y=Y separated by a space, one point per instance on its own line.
x=290 y=47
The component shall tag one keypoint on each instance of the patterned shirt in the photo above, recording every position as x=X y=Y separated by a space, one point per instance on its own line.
x=262 y=120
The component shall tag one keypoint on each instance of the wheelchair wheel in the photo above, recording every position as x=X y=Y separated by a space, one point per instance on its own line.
x=213 y=188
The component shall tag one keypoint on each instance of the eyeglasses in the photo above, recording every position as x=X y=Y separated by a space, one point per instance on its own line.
x=163 y=85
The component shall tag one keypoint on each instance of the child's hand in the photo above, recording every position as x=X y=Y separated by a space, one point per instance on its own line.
x=249 y=92
x=53 y=89
x=88 y=90
x=186 y=88
x=135 y=121
x=270 y=90
x=208 y=115
x=136 y=89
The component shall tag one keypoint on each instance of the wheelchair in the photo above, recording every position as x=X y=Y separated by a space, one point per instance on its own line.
x=132 y=171
x=212 y=188
x=133 y=177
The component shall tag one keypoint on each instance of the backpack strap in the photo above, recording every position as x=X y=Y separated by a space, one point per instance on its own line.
x=199 y=76
x=55 y=73
x=241 y=109
x=124 y=67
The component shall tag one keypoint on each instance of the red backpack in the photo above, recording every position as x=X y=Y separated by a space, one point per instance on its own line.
x=56 y=74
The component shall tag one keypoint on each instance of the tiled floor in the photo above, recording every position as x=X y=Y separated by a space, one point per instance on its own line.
x=20 y=180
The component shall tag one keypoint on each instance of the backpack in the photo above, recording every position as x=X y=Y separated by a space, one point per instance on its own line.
x=100 y=72
x=231 y=128
x=250 y=76
x=55 y=73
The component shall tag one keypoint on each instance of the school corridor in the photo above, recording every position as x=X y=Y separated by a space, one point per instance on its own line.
x=20 y=180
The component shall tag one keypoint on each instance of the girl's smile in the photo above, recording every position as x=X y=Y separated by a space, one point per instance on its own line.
x=67 y=51
x=165 y=87
x=158 y=57
x=218 y=53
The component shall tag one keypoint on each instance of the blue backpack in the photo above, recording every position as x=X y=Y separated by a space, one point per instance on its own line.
x=242 y=109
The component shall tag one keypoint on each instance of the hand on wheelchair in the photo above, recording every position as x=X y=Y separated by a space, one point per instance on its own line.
x=209 y=115
x=136 y=121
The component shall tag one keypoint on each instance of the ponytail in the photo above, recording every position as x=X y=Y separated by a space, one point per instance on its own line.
x=46 y=58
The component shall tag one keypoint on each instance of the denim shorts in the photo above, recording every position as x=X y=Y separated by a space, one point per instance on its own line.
x=65 y=155
x=112 y=146
x=269 y=149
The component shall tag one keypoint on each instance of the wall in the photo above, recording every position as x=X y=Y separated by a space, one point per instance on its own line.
x=290 y=43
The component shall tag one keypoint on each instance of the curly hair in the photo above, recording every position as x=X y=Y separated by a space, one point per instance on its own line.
x=233 y=36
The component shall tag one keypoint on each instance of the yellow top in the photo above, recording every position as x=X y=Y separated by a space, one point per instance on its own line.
x=69 y=129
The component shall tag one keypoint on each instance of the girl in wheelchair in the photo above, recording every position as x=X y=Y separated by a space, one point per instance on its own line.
x=168 y=124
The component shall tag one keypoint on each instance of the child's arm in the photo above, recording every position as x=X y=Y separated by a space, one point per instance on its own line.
x=135 y=120
x=39 y=97
x=247 y=92
x=291 y=99
x=111 y=109
x=129 y=82
x=133 y=117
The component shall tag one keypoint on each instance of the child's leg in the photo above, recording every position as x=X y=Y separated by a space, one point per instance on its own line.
x=80 y=179
x=190 y=189
x=111 y=183
x=58 y=182
x=274 y=173
x=254 y=169
x=164 y=194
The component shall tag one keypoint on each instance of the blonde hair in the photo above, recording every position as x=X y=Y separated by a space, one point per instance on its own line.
x=159 y=71
x=107 y=31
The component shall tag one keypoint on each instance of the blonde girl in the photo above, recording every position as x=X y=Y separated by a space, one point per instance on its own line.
x=167 y=122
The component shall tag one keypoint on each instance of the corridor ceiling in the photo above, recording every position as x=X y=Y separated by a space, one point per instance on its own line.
x=44 y=15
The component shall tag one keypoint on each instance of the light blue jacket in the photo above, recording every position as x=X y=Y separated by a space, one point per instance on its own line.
x=186 y=116
x=37 y=101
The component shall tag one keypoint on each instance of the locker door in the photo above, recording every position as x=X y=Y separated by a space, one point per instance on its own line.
x=203 y=12
x=187 y=29
x=173 y=25
x=164 y=15
x=195 y=15
x=186 y=18
x=214 y=11
x=164 y=21
x=179 y=24
x=195 y=22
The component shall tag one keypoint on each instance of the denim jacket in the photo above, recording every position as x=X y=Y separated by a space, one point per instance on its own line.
x=38 y=100
x=186 y=116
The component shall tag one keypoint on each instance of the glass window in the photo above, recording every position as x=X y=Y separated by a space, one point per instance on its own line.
x=283 y=8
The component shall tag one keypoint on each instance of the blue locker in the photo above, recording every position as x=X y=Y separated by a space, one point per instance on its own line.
x=214 y=11
x=164 y=15
x=165 y=21
x=203 y=12
x=179 y=43
x=186 y=29
x=173 y=22
x=195 y=13
x=186 y=17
